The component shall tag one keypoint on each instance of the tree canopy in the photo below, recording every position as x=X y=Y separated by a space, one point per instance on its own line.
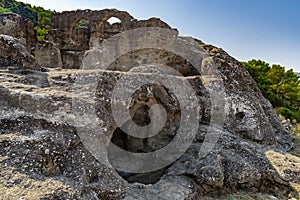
x=38 y=15
x=280 y=86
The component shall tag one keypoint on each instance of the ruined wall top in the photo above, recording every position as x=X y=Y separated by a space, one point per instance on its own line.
x=69 y=35
x=68 y=19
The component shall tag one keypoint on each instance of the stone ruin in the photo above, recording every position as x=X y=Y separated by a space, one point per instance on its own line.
x=73 y=41
x=66 y=41
x=42 y=155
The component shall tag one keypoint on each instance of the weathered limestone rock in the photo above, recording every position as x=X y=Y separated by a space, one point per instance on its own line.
x=74 y=40
x=52 y=157
x=71 y=59
x=171 y=187
x=235 y=162
x=13 y=53
x=44 y=129
x=48 y=55
x=16 y=26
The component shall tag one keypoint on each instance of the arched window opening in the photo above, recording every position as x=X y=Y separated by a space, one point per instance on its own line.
x=113 y=20
x=79 y=27
x=83 y=23
x=112 y=26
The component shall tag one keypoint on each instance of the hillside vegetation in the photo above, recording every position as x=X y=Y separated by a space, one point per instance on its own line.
x=280 y=86
x=38 y=15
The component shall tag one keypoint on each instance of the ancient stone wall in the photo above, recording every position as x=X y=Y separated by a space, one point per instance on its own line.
x=67 y=42
x=48 y=55
x=74 y=40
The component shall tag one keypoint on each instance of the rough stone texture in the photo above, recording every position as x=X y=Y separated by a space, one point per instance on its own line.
x=42 y=141
x=48 y=152
x=170 y=187
x=71 y=59
x=247 y=118
x=16 y=26
x=56 y=151
x=48 y=55
x=13 y=53
x=73 y=40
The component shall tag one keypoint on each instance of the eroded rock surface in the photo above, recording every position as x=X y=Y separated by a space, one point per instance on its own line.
x=43 y=132
x=48 y=55
x=16 y=26
x=14 y=53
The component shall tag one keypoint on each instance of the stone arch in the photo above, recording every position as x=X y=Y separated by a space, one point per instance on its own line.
x=66 y=21
x=103 y=22
x=99 y=34
x=113 y=20
x=75 y=21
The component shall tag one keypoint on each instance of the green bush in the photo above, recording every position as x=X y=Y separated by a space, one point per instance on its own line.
x=3 y=10
x=286 y=113
x=279 y=86
x=38 y=15
x=82 y=22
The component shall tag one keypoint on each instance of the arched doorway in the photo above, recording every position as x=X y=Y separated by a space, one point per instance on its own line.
x=79 y=34
x=114 y=20
x=109 y=25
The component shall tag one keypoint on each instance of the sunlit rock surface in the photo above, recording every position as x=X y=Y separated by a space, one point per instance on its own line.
x=42 y=152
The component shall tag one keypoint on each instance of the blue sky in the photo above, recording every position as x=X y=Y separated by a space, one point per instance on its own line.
x=246 y=29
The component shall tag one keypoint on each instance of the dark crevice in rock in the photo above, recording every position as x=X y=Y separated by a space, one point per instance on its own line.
x=138 y=145
x=144 y=178
x=142 y=101
x=240 y=115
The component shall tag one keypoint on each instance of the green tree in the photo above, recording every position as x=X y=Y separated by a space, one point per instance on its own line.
x=259 y=69
x=279 y=86
x=3 y=10
x=38 y=15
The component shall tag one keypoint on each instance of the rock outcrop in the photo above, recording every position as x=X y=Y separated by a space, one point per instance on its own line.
x=48 y=55
x=16 y=26
x=44 y=129
x=13 y=53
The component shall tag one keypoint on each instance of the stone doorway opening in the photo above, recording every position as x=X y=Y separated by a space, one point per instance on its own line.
x=139 y=109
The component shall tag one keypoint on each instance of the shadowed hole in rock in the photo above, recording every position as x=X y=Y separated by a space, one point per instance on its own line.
x=136 y=145
x=240 y=115
x=141 y=103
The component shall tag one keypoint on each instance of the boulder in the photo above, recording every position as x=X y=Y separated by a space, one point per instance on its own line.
x=16 y=26
x=48 y=55
x=14 y=53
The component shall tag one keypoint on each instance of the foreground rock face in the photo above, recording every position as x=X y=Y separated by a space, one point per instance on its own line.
x=43 y=151
x=16 y=26
x=13 y=53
